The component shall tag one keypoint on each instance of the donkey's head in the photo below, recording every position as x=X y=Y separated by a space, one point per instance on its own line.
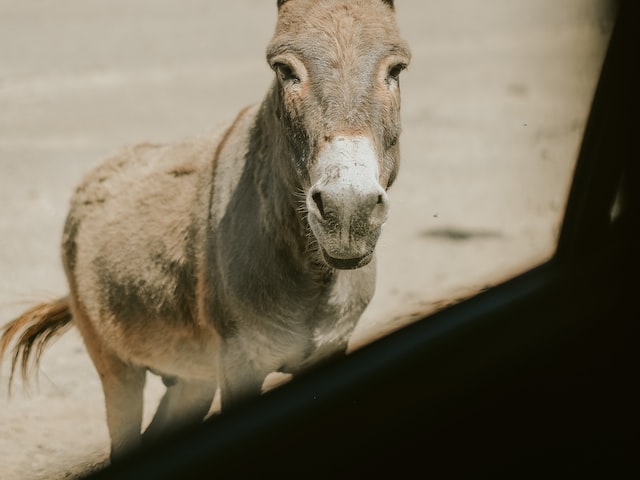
x=337 y=64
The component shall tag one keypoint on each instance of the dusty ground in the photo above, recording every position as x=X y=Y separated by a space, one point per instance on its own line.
x=494 y=105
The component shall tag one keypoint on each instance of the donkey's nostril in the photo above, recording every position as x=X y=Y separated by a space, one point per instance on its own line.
x=317 y=198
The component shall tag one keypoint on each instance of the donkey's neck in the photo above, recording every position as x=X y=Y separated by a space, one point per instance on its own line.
x=271 y=162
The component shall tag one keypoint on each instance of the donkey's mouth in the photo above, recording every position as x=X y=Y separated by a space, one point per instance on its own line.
x=346 y=263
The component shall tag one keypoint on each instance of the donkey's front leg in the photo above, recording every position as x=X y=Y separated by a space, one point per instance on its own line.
x=184 y=403
x=241 y=376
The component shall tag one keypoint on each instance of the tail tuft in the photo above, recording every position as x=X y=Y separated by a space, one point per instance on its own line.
x=33 y=330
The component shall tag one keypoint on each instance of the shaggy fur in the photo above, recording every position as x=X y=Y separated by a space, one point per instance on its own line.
x=215 y=261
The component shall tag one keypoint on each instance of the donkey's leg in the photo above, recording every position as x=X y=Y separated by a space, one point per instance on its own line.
x=122 y=384
x=240 y=378
x=184 y=403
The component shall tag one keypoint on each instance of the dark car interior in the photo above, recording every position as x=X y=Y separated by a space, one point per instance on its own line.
x=534 y=377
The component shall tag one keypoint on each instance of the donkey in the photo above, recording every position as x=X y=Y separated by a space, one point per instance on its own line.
x=220 y=259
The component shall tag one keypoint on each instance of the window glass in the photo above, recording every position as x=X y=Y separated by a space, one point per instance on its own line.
x=495 y=103
x=494 y=106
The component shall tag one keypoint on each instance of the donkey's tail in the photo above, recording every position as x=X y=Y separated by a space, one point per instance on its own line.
x=33 y=330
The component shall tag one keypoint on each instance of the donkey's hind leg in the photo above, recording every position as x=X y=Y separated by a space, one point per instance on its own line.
x=185 y=402
x=122 y=384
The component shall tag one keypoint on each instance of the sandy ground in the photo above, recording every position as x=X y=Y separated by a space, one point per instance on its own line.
x=494 y=105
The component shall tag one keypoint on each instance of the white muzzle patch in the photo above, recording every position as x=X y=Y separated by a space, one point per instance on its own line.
x=347 y=205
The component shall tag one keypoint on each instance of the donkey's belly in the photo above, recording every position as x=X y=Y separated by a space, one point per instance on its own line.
x=172 y=345
x=181 y=356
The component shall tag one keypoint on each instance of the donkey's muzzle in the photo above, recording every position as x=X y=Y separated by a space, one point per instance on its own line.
x=347 y=229
x=347 y=206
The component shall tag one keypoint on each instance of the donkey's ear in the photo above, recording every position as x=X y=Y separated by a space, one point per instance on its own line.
x=281 y=2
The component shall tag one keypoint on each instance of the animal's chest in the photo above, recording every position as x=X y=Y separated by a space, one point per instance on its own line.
x=294 y=333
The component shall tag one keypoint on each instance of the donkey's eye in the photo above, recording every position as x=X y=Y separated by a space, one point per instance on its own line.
x=395 y=70
x=285 y=72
